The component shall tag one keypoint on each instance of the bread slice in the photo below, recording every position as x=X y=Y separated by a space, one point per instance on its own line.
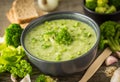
x=11 y=17
x=24 y=10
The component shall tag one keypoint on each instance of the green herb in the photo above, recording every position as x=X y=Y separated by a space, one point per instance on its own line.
x=63 y=37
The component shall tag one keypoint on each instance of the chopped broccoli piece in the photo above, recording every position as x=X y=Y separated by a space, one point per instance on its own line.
x=100 y=10
x=60 y=36
x=44 y=78
x=110 y=35
x=47 y=36
x=13 y=34
x=91 y=4
x=63 y=37
x=102 y=3
x=111 y=9
x=2 y=68
x=41 y=78
x=21 y=69
x=103 y=6
x=116 y=3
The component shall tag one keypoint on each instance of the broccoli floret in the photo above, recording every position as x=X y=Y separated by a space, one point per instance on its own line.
x=91 y=4
x=44 y=78
x=63 y=37
x=2 y=68
x=100 y=10
x=46 y=37
x=102 y=3
x=11 y=61
x=60 y=36
x=103 y=6
x=41 y=78
x=20 y=69
x=108 y=28
x=111 y=9
x=110 y=35
x=116 y=3
x=12 y=35
x=11 y=53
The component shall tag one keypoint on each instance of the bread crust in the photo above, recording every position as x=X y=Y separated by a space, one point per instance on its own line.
x=22 y=10
x=24 y=25
x=11 y=17
x=16 y=14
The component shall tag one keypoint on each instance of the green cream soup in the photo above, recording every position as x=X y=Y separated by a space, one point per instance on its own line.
x=60 y=40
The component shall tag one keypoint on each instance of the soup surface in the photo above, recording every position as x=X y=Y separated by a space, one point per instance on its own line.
x=60 y=40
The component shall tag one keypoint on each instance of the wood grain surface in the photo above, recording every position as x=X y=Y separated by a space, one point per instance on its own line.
x=64 y=5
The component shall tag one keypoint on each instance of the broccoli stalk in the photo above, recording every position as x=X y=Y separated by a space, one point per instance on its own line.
x=13 y=34
x=110 y=36
x=114 y=44
x=111 y=9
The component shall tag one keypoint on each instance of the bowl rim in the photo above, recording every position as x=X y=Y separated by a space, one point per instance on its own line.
x=93 y=12
x=54 y=13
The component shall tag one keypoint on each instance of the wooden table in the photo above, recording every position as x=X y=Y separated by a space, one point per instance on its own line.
x=65 y=5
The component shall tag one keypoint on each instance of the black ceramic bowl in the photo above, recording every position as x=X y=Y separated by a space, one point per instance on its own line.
x=100 y=18
x=64 y=67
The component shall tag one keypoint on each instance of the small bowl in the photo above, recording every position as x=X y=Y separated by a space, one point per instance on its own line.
x=100 y=18
x=68 y=67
